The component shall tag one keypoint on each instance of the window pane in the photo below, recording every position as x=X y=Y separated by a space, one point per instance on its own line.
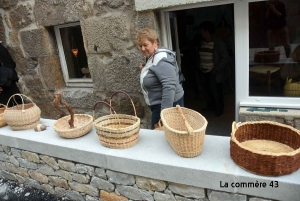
x=274 y=52
x=74 y=51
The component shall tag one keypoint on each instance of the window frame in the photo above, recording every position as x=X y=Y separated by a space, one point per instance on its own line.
x=70 y=82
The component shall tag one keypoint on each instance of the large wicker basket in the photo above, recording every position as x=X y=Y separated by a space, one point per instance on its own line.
x=83 y=124
x=185 y=130
x=24 y=116
x=291 y=88
x=265 y=147
x=2 y=121
x=268 y=56
x=118 y=131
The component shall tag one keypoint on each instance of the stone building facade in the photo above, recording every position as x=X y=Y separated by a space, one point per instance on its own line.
x=108 y=31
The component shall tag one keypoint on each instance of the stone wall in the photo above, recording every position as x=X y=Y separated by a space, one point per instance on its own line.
x=108 y=28
x=80 y=182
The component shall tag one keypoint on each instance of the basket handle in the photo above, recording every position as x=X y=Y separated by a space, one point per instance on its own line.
x=3 y=105
x=21 y=95
x=187 y=125
x=105 y=103
x=120 y=91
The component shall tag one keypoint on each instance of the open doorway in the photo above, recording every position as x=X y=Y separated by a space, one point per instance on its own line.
x=185 y=40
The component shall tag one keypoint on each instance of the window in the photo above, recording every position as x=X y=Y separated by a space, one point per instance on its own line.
x=72 y=55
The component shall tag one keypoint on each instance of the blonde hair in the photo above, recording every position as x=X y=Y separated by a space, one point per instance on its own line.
x=147 y=33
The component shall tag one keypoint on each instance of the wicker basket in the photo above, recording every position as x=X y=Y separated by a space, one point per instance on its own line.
x=24 y=116
x=185 y=130
x=268 y=56
x=291 y=88
x=2 y=121
x=265 y=147
x=83 y=124
x=118 y=131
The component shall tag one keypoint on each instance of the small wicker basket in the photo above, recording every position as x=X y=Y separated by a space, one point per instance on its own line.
x=185 y=130
x=118 y=131
x=22 y=117
x=265 y=147
x=291 y=88
x=2 y=121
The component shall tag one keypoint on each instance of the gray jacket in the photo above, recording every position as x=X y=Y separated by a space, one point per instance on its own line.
x=159 y=79
x=221 y=60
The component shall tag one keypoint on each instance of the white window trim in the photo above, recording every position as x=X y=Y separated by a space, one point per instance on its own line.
x=70 y=82
x=241 y=28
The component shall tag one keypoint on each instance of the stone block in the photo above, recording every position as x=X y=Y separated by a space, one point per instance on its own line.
x=105 y=34
x=2 y=165
x=85 y=169
x=179 y=198
x=73 y=195
x=217 y=196
x=83 y=188
x=46 y=170
x=50 y=13
x=37 y=43
x=102 y=184
x=79 y=98
x=60 y=191
x=65 y=165
x=6 y=149
x=23 y=172
x=187 y=191
x=20 y=179
x=11 y=168
x=100 y=172
x=134 y=193
x=33 y=82
x=7 y=3
x=32 y=183
x=80 y=178
x=4 y=157
x=111 y=196
x=48 y=111
x=50 y=161
x=64 y=174
x=58 y=182
x=16 y=152
x=27 y=164
x=150 y=184
x=120 y=178
x=8 y=175
x=124 y=68
x=97 y=65
x=51 y=71
x=48 y=188
x=21 y=16
x=38 y=176
x=14 y=161
x=29 y=156
x=163 y=197
x=90 y=198
x=2 y=31
x=143 y=19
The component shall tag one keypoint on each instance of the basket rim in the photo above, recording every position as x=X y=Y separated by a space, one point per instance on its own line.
x=137 y=123
x=90 y=120
x=233 y=138
x=182 y=132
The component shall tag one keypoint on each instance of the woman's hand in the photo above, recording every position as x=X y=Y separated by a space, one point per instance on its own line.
x=142 y=65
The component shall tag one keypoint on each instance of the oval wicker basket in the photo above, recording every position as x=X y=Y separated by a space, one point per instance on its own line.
x=24 y=116
x=83 y=124
x=291 y=88
x=118 y=131
x=2 y=121
x=265 y=147
x=186 y=142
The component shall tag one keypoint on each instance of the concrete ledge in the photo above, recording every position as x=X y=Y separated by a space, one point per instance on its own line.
x=153 y=157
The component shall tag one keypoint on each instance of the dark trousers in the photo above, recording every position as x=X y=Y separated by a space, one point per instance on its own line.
x=8 y=92
x=155 y=109
x=214 y=92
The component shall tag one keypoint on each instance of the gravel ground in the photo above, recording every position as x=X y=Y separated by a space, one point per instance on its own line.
x=11 y=191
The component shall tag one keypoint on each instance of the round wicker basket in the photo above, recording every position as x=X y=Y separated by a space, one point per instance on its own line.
x=186 y=142
x=22 y=117
x=83 y=124
x=2 y=121
x=265 y=147
x=291 y=88
x=118 y=131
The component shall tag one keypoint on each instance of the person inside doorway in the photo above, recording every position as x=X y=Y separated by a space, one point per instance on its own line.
x=214 y=66
x=277 y=29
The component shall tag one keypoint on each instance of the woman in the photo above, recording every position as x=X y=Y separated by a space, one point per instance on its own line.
x=159 y=77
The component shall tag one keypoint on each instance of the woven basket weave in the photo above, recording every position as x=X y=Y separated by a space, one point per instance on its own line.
x=265 y=147
x=291 y=88
x=83 y=124
x=118 y=131
x=2 y=121
x=24 y=116
x=185 y=133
